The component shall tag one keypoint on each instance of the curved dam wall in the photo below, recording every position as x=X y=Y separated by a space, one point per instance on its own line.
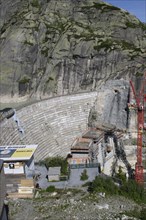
x=53 y=124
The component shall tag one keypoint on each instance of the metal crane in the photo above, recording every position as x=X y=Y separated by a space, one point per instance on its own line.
x=139 y=105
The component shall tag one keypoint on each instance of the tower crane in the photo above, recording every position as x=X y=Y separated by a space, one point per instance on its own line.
x=140 y=98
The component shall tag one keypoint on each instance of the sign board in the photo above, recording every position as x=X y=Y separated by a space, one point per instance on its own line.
x=17 y=152
x=13 y=168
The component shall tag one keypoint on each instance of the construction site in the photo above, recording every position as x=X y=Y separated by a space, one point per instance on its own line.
x=72 y=130
x=99 y=142
x=111 y=148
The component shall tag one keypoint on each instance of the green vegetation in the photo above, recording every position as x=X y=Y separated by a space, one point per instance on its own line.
x=126 y=45
x=103 y=185
x=105 y=7
x=133 y=56
x=58 y=25
x=36 y=28
x=50 y=189
x=129 y=189
x=86 y=184
x=136 y=213
x=130 y=24
x=28 y=43
x=107 y=44
x=35 y=3
x=141 y=25
x=94 y=115
x=3 y=29
x=85 y=36
x=56 y=162
x=112 y=44
x=16 y=18
x=121 y=175
x=138 y=74
x=84 y=175
x=24 y=80
x=90 y=197
x=14 y=210
x=101 y=6
x=50 y=79
x=143 y=214
x=45 y=52
x=134 y=141
x=133 y=191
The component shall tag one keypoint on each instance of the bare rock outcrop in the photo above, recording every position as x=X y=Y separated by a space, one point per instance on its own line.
x=51 y=48
x=110 y=107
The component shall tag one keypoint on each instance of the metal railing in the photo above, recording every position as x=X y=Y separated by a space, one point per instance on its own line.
x=80 y=166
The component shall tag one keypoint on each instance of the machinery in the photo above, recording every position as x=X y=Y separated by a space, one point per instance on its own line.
x=139 y=106
x=6 y=113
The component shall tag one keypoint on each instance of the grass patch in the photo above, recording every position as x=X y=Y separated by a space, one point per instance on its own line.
x=140 y=214
x=84 y=175
x=50 y=189
x=129 y=189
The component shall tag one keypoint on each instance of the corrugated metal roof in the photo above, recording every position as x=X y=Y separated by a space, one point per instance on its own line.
x=54 y=171
x=81 y=145
x=93 y=134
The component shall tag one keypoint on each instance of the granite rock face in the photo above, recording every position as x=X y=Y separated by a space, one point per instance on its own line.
x=51 y=48
x=110 y=107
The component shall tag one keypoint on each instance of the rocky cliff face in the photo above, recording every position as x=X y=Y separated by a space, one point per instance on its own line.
x=60 y=47
x=110 y=107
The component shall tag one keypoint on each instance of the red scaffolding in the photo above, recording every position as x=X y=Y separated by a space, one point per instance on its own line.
x=140 y=99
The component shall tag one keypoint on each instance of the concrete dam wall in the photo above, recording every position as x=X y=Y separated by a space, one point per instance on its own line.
x=52 y=124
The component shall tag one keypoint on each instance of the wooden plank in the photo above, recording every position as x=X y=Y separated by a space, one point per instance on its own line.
x=27 y=182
